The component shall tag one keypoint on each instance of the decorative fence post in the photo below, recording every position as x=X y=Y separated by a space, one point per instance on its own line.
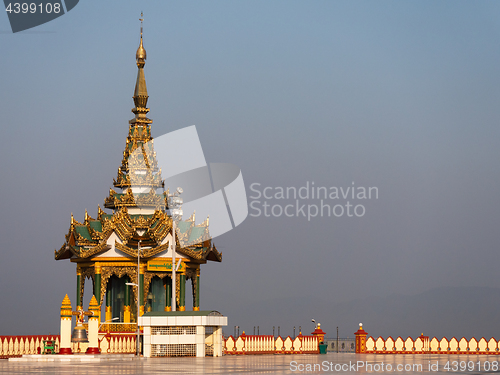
x=425 y=343
x=66 y=316
x=360 y=339
x=93 y=327
x=318 y=332
x=245 y=344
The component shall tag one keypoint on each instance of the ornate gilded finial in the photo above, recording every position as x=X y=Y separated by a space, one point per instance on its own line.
x=100 y=212
x=141 y=19
x=66 y=306
x=140 y=56
x=94 y=306
x=140 y=92
x=66 y=302
x=74 y=221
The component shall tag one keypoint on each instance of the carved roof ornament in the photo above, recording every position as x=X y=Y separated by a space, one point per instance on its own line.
x=87 y=240
x=100 y=212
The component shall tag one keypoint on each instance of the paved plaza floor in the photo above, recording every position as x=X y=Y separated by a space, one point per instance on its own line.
x=333 y=363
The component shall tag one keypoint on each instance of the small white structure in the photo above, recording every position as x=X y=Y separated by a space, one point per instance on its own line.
x=182 y=333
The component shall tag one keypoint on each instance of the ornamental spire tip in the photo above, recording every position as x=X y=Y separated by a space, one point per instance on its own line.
x=140 y=55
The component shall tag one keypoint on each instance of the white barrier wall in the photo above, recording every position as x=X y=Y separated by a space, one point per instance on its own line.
x=422 y=344
x=267 y=344
x=18 y=345
x=12 y=346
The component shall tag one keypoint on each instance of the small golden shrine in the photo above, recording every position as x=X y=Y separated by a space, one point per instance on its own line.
x=106 y=248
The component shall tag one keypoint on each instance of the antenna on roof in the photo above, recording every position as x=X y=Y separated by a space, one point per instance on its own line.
x=141 y=19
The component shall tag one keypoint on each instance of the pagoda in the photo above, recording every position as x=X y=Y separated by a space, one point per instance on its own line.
x=133 y=243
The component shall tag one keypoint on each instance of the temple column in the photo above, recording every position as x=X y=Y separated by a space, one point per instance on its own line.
x=182 y=294
x=65 y=333
x=78 y=288
x=126 y=302
x=93 y=327
x=196 y=305
x=200 y=343
x=168 y=294
x=97 y=286
x=109 y=311
x=142 y=270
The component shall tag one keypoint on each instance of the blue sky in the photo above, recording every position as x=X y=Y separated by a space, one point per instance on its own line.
x=398 y=95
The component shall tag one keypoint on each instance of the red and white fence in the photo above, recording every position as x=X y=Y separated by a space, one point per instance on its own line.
x=16 y=346
x=267 y=344
x=117 y=344
x=422 y=345
x=109 y=343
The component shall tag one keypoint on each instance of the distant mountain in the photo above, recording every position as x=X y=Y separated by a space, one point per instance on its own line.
x=446 y=311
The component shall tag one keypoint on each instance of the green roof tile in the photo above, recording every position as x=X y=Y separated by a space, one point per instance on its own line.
x=96 y=225
x=196 y=233
x=83 y=231
x=183 y=226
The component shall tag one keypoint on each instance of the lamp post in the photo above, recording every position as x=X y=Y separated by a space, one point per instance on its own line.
x=176 y=213
x=140 y=232
x=337 y=339
x=138 y=331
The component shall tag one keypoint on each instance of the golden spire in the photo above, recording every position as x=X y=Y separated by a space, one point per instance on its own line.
x=140 y=55
x=66 y=303
x=66 y=307
x=140 y=92
x=94 y=306
x=139 y=137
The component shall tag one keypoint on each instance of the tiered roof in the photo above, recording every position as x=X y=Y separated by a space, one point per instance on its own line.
x=138 y=177
x=88 y=239
x=139 y=167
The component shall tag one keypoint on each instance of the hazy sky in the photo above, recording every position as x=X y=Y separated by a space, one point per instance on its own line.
x=401 y=96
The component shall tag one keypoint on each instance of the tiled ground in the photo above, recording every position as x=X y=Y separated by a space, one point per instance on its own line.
x=332 y=363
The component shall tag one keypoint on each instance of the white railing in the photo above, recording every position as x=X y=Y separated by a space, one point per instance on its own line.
x=14 y=346
x=109 y=343
x=267 y=344
x=422 y=344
